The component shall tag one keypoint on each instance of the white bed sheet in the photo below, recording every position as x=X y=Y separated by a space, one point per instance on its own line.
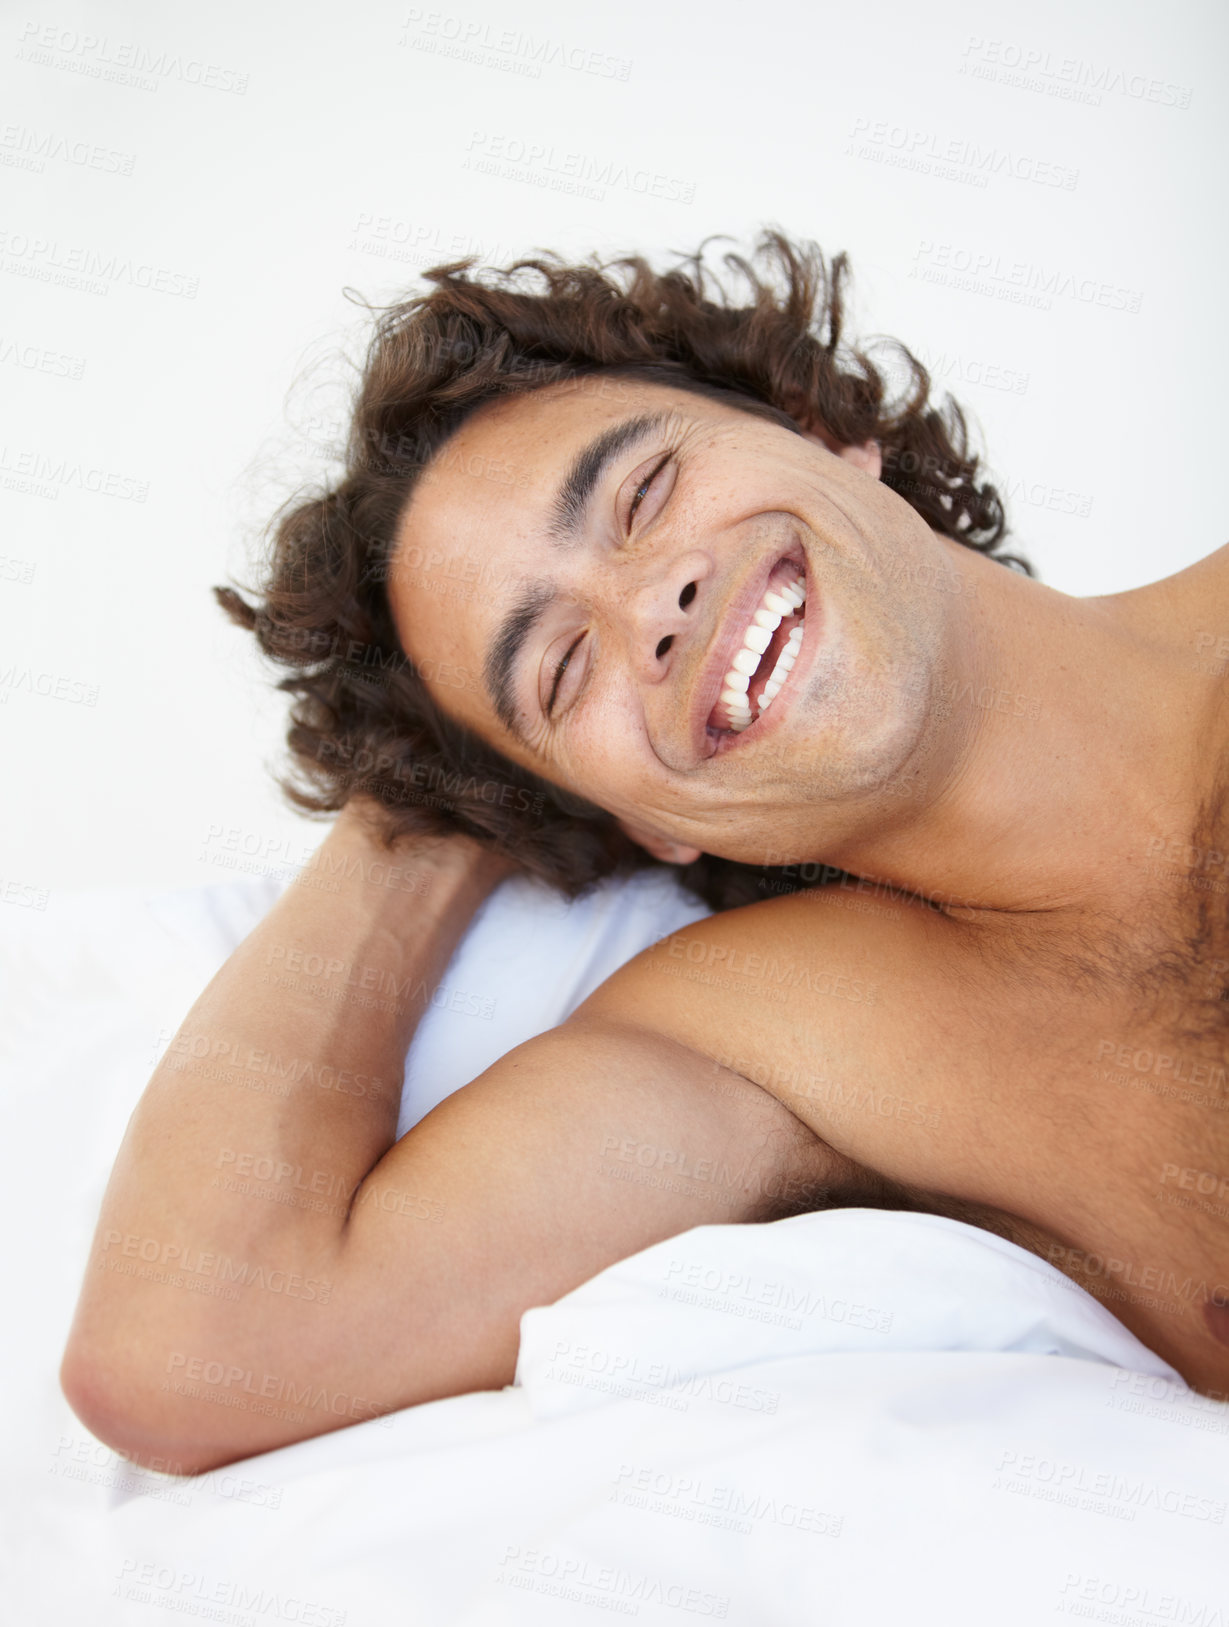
x=848 y=1417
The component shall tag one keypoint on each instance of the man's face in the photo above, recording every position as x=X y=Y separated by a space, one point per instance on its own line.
x=575 y=574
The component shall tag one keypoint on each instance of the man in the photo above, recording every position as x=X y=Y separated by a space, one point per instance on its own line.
x=1030 y=964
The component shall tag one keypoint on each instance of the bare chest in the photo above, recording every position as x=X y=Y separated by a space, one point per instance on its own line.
x=1078 y=1092
x=1065 y=1083
x=1150 y=1235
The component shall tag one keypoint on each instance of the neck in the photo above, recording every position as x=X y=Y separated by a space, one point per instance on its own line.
x=1082 y=736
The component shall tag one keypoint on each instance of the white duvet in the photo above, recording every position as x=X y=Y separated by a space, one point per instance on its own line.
x=853 y=1417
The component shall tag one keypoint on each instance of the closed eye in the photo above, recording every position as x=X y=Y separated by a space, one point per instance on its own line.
x=643 y=487
x=554 y=688
x=638 y=497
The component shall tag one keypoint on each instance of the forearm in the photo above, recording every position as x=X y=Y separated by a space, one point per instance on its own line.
x=277 y=1095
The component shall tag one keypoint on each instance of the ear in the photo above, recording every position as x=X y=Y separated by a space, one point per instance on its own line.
x=868 y=456
x=661 y=847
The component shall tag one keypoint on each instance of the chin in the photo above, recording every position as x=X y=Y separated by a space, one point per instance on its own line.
x=850 y=738
x=829 y=784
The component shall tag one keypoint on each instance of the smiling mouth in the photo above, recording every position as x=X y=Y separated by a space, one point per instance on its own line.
x=770 y=644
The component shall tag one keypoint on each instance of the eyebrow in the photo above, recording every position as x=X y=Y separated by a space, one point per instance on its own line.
x=566 y=519
x=571 y=505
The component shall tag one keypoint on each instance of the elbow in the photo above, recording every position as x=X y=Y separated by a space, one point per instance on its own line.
x=126 y=1412
x=93 y=1391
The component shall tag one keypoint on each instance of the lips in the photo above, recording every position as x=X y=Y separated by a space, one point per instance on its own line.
x=729 y=696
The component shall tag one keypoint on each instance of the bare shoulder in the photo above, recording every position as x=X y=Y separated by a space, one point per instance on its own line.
x=824 y=959
x=873 y=1018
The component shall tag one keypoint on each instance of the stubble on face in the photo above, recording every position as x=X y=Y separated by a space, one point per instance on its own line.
x=858 y=731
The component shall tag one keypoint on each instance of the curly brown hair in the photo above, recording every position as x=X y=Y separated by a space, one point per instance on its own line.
x=362 y=719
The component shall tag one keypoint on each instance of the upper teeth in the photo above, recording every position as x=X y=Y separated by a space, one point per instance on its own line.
x=776 y=604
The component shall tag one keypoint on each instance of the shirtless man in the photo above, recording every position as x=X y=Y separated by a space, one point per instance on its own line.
x=1033 y=962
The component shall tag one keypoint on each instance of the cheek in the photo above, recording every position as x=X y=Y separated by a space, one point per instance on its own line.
x=606 y=757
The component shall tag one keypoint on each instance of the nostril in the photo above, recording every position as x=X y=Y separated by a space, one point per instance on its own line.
x=687 y=595
x=664 y=646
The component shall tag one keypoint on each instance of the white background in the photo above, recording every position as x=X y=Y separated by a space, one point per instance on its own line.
x=276 y=154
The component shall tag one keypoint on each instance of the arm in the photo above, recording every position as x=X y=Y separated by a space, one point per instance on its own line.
x=577 y=1149
x=285 y=1078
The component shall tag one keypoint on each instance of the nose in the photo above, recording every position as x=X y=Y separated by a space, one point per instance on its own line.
x=664 y=612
